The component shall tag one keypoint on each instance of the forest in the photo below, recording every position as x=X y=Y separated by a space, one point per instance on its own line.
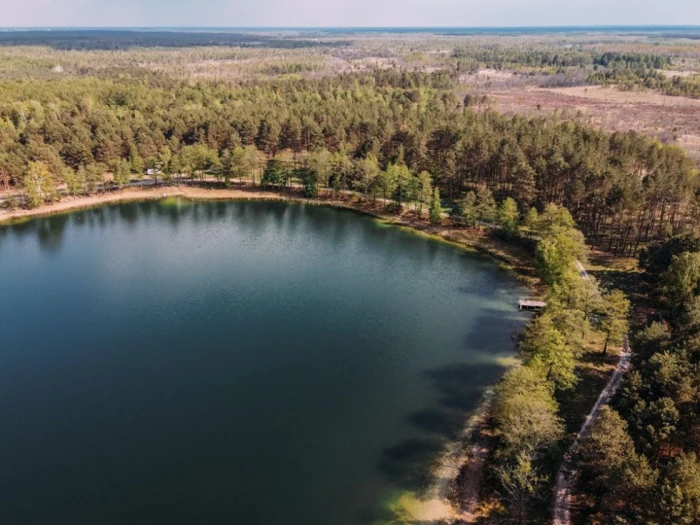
x=627 y=77
x=114 y=40
x=417 y=139
x=640 y=462
x=500 y=57
x=623 y=189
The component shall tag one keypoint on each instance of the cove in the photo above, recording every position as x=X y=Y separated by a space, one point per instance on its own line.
x=235 y=362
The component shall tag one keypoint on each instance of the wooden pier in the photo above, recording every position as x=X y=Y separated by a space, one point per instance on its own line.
x=529 y=304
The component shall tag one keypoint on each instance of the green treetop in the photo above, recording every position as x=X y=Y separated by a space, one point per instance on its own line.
x=436 y=208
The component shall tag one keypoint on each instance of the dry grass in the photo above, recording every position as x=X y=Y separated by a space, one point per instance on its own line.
x=672 y=119
x=611 y=94
x=670 y=73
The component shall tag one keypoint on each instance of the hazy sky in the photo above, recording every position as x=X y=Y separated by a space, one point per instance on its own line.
x=347 y=12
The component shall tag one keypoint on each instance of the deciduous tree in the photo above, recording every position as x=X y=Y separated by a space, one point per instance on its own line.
x=39 y=184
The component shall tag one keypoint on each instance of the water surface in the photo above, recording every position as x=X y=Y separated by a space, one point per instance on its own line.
x=247 y=363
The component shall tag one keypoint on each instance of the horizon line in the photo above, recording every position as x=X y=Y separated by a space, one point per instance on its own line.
x=369 y=27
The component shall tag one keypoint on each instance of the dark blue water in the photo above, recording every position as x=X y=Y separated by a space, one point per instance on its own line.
x=242 y=363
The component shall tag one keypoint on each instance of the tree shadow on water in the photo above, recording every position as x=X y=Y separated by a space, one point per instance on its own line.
x=51 y=231
x=409 y=465
x=496 y=331
x=461 y=385
x=436 y=421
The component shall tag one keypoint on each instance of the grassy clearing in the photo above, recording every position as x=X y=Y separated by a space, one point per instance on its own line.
x=623 y=274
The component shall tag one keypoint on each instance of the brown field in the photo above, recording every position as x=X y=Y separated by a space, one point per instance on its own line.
x=610 y=94
x=672 y=119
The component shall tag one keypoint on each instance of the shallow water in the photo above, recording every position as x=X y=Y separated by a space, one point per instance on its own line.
x=183 y=363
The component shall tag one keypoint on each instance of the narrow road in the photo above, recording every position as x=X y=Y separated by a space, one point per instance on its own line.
x=566 y=476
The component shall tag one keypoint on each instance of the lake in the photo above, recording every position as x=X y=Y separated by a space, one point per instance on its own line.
x=235 y=362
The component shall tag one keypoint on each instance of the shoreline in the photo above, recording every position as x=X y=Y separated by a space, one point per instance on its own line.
x=454 y=494
x=468 y=240
x=453 y=497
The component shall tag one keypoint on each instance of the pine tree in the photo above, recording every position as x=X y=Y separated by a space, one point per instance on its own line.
x=122 y=173
x=469 y=210
x=135 y=161
x=436 y=208
x=615 y=306
x=424 y=190
x=485 y=205
x=544 y=349
x=70 y=177
x=509 y=217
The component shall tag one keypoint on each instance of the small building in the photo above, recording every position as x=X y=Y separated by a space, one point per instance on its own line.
x=529 y=304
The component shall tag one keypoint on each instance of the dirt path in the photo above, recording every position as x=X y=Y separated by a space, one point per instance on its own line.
x=566 y=476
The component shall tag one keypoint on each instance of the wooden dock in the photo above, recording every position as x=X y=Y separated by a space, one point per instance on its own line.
x=529 y=304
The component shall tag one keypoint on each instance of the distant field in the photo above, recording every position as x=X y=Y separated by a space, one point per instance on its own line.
x=672 y=119
x=616 y=96
x=670 y=73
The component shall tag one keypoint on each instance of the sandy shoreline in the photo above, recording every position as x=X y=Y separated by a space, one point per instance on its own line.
x=67 y=204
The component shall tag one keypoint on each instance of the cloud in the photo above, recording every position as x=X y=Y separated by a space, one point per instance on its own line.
x=347 y=12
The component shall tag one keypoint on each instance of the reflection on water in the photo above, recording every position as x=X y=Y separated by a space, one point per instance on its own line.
x=203 y=362
x=249 y=215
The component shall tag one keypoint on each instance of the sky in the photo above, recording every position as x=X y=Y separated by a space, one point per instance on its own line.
x=346 y=13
